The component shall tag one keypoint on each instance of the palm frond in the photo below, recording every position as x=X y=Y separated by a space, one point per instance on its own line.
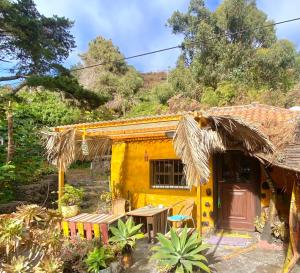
x=64 y=147
x=195 y=145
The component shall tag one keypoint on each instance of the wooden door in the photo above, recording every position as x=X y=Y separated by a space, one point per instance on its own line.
x=237 y=191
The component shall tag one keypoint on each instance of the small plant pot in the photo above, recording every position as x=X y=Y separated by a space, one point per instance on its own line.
x=69 y=211
x=127 y=260
x=106 y=270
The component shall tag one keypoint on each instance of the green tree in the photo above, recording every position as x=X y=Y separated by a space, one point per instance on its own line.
x=113 y=79
x=38 y=45
x=233 y=44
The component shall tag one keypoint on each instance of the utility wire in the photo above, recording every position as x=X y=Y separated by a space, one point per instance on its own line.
x=182 y=45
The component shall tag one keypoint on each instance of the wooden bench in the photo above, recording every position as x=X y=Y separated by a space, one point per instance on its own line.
x=89 y=226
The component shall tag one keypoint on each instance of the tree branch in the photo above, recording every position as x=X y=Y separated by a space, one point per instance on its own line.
x=11 y=78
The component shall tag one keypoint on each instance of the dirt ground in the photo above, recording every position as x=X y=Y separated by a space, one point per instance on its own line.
x=222 y=259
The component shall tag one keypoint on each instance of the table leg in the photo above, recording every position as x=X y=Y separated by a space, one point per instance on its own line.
x=163 y=220
x=155 y=226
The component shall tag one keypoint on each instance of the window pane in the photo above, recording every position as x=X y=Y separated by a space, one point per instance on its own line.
x=167 y=173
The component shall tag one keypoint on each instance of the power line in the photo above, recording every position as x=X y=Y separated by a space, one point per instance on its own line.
x=182 y=45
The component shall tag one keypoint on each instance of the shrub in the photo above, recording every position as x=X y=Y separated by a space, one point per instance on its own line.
x=182 y=253
x=72 y=196
x=74 y=253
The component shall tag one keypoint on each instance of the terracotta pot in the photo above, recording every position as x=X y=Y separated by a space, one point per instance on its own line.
x=127 y=260
x=69 y=211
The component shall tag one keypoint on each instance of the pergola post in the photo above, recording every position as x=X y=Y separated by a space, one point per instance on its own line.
x=61 y=184
x=199 y=213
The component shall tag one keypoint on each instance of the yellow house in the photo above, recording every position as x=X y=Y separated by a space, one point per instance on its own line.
x=147 y=164
x=235 y=162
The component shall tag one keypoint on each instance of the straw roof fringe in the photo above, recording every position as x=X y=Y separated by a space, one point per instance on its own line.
x=195 y=145
x=63 y=148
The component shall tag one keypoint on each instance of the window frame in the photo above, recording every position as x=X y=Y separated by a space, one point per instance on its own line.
x=172 y=174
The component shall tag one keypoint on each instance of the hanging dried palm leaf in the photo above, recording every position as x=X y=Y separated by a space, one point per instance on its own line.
x=63 y=148
x=195 y=145
x=60 y=147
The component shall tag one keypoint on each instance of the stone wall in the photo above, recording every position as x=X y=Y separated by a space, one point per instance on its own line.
x=43 y=193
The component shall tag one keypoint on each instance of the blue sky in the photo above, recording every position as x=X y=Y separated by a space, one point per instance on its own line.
x=137 y=26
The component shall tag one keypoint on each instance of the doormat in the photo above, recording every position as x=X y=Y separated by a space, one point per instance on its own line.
x=229 y=241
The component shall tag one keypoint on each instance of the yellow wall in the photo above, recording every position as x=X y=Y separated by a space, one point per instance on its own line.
x=117 y=167
x=136 y=177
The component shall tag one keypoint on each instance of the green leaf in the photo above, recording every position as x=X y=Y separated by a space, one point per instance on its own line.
x=175 y=239
x=183 y=237
x=179 y=269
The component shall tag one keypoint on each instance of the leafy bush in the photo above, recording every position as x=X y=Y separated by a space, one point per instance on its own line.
x=7 y=174
x=126 y=234
x=72 y=196
x=97 y=259
x=146 y=109
x=182 y=253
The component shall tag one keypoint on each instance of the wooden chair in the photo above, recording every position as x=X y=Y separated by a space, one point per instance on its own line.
x=183 y=214
x=118 y=206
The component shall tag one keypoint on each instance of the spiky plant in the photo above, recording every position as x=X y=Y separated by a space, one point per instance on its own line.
x=126 y=234
x=31 y=214
x=11 y=233
x=182 y=253
x=50 y=265
x=18 y=264
x=97 y=259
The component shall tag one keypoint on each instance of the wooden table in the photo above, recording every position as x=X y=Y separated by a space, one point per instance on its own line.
x=89 y=225
x=156 y=219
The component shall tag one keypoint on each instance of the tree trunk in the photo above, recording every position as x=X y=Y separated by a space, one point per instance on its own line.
x=10 y=142
x=273 y=213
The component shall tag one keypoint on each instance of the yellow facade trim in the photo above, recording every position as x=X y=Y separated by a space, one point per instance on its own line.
x=119 y=122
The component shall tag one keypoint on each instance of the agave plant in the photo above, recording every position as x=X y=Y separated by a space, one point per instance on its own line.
x=50 y=265
x=31 y=214
x=182 y=253
x=11 y=233
x=126 y=234
x=18 y=264
x=97 y=259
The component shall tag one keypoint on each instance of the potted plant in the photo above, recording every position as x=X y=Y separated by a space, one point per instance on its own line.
x=97 y=260
x=182 y=253
x=71 y=200
x=125 y=235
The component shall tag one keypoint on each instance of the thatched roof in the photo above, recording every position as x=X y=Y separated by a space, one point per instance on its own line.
x=269 y=133
x=195 y=144
x=281 y=126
